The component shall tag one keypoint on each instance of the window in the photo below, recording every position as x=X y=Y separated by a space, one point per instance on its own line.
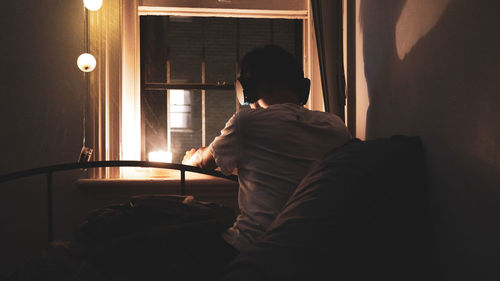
x=117 y=108
x=188 y=68
x=180 y=110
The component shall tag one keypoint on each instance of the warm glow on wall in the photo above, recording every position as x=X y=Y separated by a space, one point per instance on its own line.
x=86 y=62
x=92 y=5
x=416 y=20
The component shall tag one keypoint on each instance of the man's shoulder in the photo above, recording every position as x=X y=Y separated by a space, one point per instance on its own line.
x=323 y=115
x=275 y=109
x=286 y=113
x=248 y=114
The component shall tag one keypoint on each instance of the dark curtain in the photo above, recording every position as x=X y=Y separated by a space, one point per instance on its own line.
x=327 y=15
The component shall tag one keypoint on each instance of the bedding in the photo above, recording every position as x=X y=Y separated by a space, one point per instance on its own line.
x=160 y=237
x=360 y=214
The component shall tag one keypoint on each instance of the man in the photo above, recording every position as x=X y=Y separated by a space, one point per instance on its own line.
x=271 y=145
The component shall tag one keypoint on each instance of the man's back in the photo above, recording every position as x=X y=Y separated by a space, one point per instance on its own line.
x=272 y=148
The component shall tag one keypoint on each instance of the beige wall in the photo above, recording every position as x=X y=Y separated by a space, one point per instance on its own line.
x=430 y=68
x=40 y=119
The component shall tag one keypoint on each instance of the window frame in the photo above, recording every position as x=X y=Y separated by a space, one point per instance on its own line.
x=168 y=86
x=116 y=117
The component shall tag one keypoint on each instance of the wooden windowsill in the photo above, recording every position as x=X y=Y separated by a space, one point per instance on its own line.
x=202 y=187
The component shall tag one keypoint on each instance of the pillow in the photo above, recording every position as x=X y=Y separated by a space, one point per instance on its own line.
x=359 y=214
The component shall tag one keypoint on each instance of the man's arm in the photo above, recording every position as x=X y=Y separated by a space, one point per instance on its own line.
x=225 y=148
x=200 y=157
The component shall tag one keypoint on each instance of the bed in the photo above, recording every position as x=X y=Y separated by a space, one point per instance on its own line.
x=360 y=213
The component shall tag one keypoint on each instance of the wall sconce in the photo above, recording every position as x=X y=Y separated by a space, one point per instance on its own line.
x=86 y=62
x=92 y=5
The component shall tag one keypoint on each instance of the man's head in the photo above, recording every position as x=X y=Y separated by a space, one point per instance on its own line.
x=272 y=74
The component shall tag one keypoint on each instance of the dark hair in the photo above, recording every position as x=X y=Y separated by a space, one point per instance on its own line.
x=269 y=68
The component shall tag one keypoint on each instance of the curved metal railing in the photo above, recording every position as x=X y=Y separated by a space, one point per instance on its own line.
x=49 y=170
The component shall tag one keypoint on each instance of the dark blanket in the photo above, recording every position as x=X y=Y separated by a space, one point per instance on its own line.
x=148 y=238
x=155 y=238
x=360 y=214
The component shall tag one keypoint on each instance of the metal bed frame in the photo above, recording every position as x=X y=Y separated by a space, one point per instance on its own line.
x=49 y=170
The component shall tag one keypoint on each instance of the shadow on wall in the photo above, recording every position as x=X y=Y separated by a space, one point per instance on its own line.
x=432 y=69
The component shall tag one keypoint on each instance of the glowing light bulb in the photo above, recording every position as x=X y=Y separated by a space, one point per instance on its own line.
x=160 y=156
x=92 y=5
x=86 y=62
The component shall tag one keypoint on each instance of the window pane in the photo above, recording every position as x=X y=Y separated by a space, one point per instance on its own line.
x=180 y=97
x=185 y=48
x=180 y=120
x=154 y=120
x=153 y=48
x=180 y=108
x=185 y=139
x=254 y=33
x=288 y=35
x=221 y=51
x=220 y=106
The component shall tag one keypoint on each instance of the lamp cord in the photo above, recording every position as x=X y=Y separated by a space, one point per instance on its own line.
x=85 y=76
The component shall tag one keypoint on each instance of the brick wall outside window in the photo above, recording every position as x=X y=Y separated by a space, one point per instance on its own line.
x=186 y=43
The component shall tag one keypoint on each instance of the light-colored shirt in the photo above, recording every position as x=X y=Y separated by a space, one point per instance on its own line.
x=272 y=149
